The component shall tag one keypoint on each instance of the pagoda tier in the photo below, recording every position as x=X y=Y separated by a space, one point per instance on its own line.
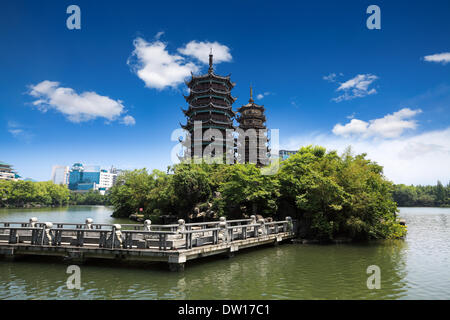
x=209 y=123
x=206 y=112
x=251 y=116
x=210 y=80
x=210 y=101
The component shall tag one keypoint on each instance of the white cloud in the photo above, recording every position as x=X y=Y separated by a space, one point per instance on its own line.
x=19 y=132
x=261 y=96
x=200 y=51
x=356 y=87
x=418 y=159
x=443 y=58
x=157 y=67
x=351 y=116
x=76 y=107
x=330 y=78
x=128 y=121
x=159 y=35
x=390 y=126
x=354 y=127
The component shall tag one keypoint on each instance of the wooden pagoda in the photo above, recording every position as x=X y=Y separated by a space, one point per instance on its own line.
x=251 y=116
x=209 y=101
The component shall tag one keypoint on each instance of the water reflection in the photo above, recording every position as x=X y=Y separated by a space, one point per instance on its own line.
x=412 y=269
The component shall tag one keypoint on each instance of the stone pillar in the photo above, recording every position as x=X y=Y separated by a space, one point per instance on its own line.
x=147 y=225
x=290 y=226
x=115 y=240
x=88 y=224
x=177 y=262
x=47 y=236
x=223 y=232
x=181 y=227
x=253 y=221
x=33 y=222
x=118 y=234
x=262 y=228
x=176 y=267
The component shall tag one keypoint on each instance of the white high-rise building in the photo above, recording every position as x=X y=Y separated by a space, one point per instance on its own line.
x=60 y=175
x=106 y=179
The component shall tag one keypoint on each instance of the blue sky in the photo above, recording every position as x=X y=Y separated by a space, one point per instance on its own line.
x=111 y=93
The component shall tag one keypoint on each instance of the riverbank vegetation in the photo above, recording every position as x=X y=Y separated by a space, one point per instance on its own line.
x=93 y=198
x=422 y=196
x=28 y=194
x=332 y=196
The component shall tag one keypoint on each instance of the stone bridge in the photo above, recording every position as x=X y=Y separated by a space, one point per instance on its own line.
x=173 y=243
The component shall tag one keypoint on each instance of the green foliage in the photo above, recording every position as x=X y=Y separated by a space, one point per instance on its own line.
x=139 y=189
x=337 y=196
x=422 y=196
x=27 y=193
x=245 y=190
x=332 y=196
x=17 y=194
x=88 y=198
x=190 y=185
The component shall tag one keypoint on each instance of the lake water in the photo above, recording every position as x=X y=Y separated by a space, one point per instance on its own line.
x=417 y=268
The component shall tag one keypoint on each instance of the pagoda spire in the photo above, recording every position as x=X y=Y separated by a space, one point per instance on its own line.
x=251 y=95
x=210 y=70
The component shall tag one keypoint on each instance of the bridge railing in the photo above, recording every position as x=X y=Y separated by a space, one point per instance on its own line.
x=135 y=226
x=113 y=236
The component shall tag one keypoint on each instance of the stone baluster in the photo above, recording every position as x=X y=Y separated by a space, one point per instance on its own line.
x=181 y=227
x=47 y=237
x=88 y=224
x=223 y=232
x=253 y=221
x=262 y=228
x=33 y=222
x=147 y=225
x=290 y=225
x=117 y=235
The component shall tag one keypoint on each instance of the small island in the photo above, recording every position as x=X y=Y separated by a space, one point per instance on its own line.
x=332 y=197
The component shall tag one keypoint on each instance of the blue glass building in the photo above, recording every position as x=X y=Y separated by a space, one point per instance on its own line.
x=82 y=178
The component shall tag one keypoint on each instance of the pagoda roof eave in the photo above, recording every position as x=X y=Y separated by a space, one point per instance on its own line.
x=213 y=90
x=209 y=105
x=209 y=75
x=252 y=106
x=227 y=95
x=190 y=111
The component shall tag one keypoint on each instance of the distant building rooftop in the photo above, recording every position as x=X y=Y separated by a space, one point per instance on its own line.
x=284 y=154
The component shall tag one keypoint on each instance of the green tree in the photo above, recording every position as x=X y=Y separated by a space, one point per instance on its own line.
x=245 y=190
x=190 y=185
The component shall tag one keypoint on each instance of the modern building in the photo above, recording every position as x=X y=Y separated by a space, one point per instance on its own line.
x=83 y=179
x=252 y=120
x=106 y=180
x=7 y=172
x=86 y=178
x=284 y=154
x=115 y=173
x=60 y=175
x=209 y=102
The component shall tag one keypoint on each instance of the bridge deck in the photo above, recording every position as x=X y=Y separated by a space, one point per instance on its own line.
x=174 y=244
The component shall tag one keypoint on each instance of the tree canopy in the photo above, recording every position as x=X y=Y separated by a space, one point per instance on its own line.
x=422 y=196
x=23 y=193
x=20 y=193
x=331 y=195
